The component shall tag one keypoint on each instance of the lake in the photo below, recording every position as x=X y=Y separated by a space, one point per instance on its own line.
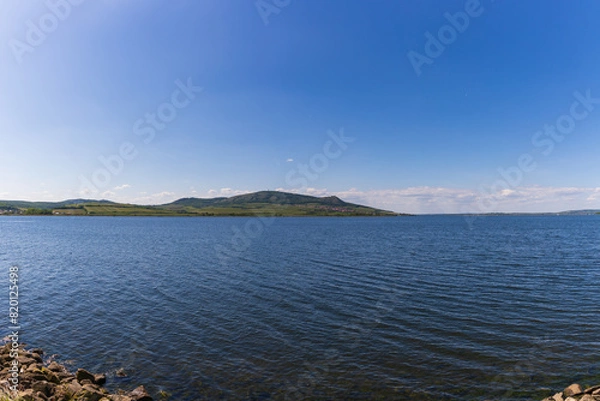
x=315 y=308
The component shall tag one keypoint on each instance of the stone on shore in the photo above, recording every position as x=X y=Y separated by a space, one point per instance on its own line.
x=573 y=389
x=576 y=393
x=83 y=375
x=39 y=381
x=140 y=394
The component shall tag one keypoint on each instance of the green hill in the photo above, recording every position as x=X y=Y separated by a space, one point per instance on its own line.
x=263 y=203
x=50 y=205
x=273 y=203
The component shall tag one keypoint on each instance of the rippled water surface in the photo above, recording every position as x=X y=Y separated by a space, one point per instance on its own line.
x=315 y=308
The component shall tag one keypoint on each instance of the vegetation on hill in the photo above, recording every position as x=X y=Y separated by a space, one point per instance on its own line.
x=36 y=211
x=264 y=203
x=49 y=205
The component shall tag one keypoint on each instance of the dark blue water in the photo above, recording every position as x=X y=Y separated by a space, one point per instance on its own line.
x=315 y=308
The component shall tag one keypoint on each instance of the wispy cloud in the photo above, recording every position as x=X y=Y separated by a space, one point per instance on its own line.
x=594 y=196
x=108 y=194
x=228 y=192
x=156 y=198
x=122 y=187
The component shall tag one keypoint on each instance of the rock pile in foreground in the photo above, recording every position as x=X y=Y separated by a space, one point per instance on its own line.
x=39 y=381
x=576 y=393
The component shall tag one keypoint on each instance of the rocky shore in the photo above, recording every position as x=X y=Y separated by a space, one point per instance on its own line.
x=576 y=393
x=30 y=377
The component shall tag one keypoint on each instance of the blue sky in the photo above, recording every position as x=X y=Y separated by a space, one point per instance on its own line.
x=80 y=81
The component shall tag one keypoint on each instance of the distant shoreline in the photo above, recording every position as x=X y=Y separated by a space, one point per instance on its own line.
x=501 y=214
x=201 y=216
x=540 y=214
x=264 y=203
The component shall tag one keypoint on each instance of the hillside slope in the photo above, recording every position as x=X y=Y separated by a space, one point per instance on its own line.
x=265 y=203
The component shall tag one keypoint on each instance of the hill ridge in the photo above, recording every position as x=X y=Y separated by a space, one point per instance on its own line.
x=274 y=203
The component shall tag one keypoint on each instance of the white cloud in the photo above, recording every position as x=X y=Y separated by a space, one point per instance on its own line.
x=156 y=198
x=108 y=194
x=122 y=187
x=231 y=192
x=594 y=196
x=290 y=160
x=306 y=191
x=86 y=192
